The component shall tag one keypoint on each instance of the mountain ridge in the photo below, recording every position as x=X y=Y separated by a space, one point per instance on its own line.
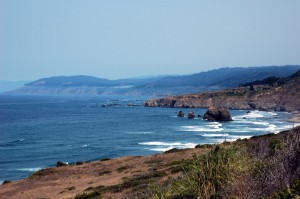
x=211 y=80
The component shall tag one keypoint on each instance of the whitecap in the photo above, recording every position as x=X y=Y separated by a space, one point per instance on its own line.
x=167 y=146
x=251 y=115
x=30 y=169
x=239 y=136
x=216 y=141
x=201 y=129
x=83 y=146
x=261 y=123
x=215 y=135
x=271 y=128
x=141 y=132
x=160 y=143
x=214 y=125
x=161 y=149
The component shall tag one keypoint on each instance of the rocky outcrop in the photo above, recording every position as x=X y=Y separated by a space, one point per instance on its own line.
x=61 y=164
x=217 y=114
x=279 y=98
x=191 y=115
x=180 y=114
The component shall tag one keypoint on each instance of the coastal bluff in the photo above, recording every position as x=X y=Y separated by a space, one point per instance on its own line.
x=284 y=97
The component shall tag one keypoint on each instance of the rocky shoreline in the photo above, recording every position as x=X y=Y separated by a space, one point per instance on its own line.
x=295 y=117
x=262 y=97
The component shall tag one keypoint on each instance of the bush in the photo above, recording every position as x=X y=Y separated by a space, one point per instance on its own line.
x=207 y=175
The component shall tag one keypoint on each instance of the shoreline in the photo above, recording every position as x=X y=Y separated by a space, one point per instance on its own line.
x=293 y=118
x=116 y=178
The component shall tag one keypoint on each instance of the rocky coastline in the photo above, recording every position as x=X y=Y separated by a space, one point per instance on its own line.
x=261 y=97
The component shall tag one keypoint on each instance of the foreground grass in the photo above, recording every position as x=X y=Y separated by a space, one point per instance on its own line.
x=207 y=175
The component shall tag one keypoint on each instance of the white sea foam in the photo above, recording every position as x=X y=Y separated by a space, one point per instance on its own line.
x=243 y=130
x=30 y=169
x=83 y=146
x=215 y=135
x=164 y=146
x=239 y=136
x=213 y=141
x=201 y=129
x=270 y=128
x=141 y=132
x=214 y=125
x=261 y=123
x=252 y=115
x=161 y=149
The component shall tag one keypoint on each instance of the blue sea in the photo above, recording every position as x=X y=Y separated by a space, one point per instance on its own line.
x=38 y=131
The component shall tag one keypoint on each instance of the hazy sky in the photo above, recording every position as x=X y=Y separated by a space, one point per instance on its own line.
x=129 y=38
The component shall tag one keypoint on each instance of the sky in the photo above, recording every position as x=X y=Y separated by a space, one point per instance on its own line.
x=130 y=38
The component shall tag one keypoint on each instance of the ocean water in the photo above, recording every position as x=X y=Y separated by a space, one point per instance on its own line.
x=38 y=131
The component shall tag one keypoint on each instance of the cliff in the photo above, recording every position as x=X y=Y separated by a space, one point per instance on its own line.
x=285 y=97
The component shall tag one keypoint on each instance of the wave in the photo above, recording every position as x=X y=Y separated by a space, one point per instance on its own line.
x=161 y=149
x=216 y=141
x=252 y=115
x=239 y=136
x=215 y=135
x=160 y=143
x=35 y=169
x=201 y=129
x=141 y=132
x=261 y=123
x=164 y=146
x=12 y=143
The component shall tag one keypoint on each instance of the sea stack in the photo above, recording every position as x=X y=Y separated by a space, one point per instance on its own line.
x=217 y=114
x=180 y=114
x=191 y=115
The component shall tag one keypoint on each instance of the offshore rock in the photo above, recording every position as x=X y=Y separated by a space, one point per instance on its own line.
x=180 y=114
x=191 y=115
x=217 y=114
x=61 y=164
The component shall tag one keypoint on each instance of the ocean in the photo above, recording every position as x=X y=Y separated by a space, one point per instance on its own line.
x=38 y=131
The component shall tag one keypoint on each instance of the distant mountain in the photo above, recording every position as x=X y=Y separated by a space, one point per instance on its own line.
x=271 y=81
x=155 y=86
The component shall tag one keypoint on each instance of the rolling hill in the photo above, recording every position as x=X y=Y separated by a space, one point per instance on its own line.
x=157 y=86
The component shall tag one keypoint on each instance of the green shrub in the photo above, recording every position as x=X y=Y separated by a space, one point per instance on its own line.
x=207 y=175
x=91 y=195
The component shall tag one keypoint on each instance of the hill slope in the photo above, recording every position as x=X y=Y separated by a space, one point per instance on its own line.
x=281 y=95
x=158 y=86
